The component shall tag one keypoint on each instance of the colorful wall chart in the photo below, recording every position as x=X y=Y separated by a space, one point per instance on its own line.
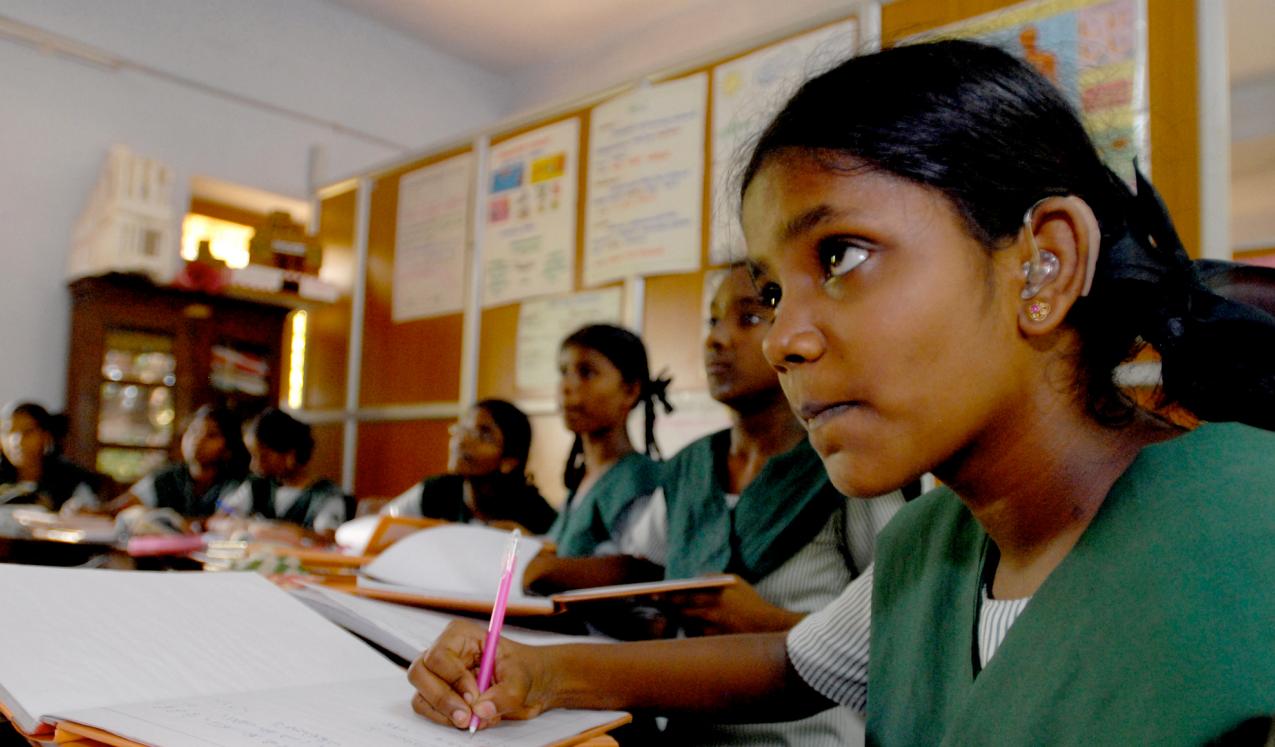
x=544 y=322
x=1095 y=51
x=529 y=243
x=646 y=182
x=430 y=239
x=747 y=92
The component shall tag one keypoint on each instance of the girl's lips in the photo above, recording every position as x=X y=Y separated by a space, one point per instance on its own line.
x=815 y=414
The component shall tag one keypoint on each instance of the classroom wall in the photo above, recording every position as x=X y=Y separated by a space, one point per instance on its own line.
x=702 y=31
x=391 y=95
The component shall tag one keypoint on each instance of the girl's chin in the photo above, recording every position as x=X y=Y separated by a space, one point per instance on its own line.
x=853 y=477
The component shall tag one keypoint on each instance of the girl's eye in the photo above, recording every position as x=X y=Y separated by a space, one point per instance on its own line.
x=749 y=320
x=770 y=294
x=839 y=257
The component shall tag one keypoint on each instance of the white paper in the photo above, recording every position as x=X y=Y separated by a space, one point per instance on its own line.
x=458 y=561
x=407 y=631
x=646 y=182
x=78 y=638
x=543 y=323
x=529 y=241
x=349 y=714
x=430 y=239
x=747 y=93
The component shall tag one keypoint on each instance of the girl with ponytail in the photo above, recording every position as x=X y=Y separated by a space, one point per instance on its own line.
x=605 y=375
x=955 y=277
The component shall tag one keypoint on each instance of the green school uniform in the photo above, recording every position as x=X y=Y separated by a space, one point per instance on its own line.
x=304 y=510
x=1157 y=628
x=443 y=497
x=175 y=488
x=778 y=513
x=587 y=520
x=786 y=536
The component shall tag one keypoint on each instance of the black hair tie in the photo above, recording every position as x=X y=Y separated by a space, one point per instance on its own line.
x=657 y=390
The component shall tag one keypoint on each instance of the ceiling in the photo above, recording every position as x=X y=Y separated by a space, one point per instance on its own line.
x=506 y=37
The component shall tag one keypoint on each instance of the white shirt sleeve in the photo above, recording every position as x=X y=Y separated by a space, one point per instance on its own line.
x=407 y=504
x=144 y=489
x=238 y=502
x=865 y=518
x=331 y=515
x=642 y=530
x=83 y=497
x=829 y=648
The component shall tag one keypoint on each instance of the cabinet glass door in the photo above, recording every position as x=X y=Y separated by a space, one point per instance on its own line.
x=136 y=417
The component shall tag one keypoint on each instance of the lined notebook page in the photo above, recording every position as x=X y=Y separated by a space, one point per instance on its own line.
x=77 y=638
x=353 y=714
x=457 y=560
x=407 y=631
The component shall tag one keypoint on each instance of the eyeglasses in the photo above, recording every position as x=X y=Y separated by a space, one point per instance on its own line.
x=489 y=436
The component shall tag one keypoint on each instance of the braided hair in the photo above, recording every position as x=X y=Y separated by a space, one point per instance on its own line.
x=626 y=352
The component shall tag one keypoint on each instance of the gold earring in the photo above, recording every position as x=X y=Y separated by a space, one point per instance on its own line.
x=1038 y=311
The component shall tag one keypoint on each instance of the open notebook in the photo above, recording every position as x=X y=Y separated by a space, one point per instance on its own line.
x=457 y=567
x=407 y=631
x=211 y=659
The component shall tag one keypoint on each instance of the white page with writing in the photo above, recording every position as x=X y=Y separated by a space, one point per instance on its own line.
x=348 y=714
x=407 y=631
x=75 y=638
x=460 y=561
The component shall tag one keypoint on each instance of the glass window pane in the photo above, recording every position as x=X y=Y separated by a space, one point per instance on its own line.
x=136 y=415
x=139 y=357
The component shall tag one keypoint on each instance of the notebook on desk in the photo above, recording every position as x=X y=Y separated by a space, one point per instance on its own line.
x=210 y=659
x=456 y=567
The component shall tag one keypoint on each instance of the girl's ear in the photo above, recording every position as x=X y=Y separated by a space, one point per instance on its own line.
x=633 y=393
x=508 y=465
x=1057 y=249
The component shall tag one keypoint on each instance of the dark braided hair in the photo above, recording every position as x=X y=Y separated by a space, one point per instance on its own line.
x=627 y=353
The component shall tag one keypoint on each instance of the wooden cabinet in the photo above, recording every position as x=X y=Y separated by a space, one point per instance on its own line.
x=143 y=358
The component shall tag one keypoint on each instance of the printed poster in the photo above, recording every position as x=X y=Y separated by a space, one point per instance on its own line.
x=431 y=240
x=646 y=182
x=543 y=324
x=529 y=242
x=1096 y=52
x=747 y=93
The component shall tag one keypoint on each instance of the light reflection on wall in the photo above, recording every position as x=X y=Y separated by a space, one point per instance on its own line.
x=228 y=241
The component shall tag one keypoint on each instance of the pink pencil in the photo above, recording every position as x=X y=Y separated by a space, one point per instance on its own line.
x=488 y=664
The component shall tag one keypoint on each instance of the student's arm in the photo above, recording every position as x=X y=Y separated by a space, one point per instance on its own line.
x=548 y=574
x=743 y=678
x=737 y=608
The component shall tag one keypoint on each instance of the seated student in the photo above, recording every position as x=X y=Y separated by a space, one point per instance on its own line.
x=214 y=463
x=956 y=275
x=604 y=376
x=32 y=470
x=280 y=487
x=486 y=478
x=753 y=500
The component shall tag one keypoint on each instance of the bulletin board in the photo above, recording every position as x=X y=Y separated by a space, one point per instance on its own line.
x=1172 y=81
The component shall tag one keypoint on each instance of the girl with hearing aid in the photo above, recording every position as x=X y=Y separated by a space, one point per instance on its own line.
x=955 y=276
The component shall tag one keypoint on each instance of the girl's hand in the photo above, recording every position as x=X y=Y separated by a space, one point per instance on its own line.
x=446 y=680
x=737 y=608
